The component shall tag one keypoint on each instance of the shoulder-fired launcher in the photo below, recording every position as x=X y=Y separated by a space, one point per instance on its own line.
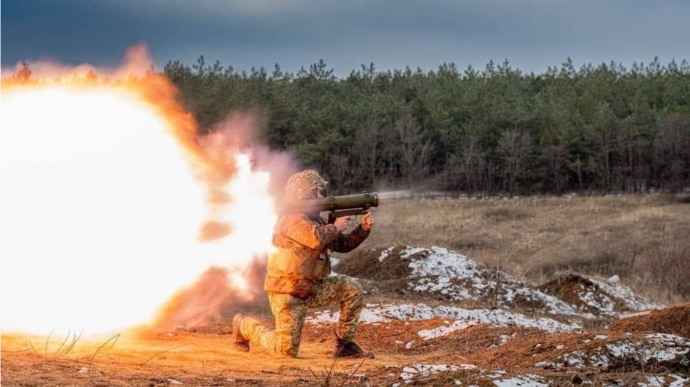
x=338 y=206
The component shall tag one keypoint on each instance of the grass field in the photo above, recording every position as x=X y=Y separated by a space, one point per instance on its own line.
x=645 y=239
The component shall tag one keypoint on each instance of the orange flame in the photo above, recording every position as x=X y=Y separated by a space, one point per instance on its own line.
x=101 y=212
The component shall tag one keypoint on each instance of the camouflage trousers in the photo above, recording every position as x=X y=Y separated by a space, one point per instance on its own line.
x=290 y=313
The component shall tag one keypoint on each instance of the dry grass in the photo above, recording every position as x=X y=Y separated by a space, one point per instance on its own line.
x=636 y=237
x=538 y=237
x=672 y=320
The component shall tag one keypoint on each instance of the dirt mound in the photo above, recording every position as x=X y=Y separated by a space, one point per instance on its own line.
x=369 y=264
x=595 y=297
x=441 y=274
x=673 y=320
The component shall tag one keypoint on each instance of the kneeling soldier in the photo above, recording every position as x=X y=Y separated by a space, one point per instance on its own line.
x=298 y=277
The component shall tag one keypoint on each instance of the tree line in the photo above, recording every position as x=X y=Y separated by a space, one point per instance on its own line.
x=600 y=128
x=604 y=128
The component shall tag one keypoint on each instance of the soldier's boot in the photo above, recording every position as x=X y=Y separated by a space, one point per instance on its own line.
x=238 y=341
x=349 y=349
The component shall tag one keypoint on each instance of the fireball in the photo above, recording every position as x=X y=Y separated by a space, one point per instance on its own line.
x=101 y=205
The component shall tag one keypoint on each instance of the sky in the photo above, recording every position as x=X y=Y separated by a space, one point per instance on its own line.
x=531 y=34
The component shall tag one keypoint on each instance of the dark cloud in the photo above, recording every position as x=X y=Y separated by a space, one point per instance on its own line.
x=532 y=34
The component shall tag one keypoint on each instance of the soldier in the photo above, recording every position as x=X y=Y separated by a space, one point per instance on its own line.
x=298 y=277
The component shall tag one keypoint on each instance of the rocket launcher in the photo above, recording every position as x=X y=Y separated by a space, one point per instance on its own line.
x=338 y=206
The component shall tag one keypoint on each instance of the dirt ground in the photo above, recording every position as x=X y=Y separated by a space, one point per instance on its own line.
x=532 y=239
x=205 y=358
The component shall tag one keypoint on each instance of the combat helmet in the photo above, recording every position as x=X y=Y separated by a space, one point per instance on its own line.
x=304 y=185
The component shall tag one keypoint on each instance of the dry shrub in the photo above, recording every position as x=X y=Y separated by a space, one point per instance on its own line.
x=674 y=320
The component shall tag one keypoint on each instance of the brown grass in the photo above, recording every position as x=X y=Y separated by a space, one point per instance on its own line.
x=673 y=320
x=538 y=237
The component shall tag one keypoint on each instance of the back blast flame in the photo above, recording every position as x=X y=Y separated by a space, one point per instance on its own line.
x=112 y=204
x=215 y=297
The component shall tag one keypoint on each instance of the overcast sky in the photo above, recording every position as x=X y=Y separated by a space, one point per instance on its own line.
x=532 y=34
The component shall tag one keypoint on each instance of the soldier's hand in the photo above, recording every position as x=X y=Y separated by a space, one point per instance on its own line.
x=367 y=221
x=341 y=223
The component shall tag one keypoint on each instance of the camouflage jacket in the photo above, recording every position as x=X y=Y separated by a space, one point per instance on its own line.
x=302 y=256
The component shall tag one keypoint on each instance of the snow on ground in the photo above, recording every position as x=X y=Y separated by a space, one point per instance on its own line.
x=440 y=271
x=660 y=380
x=522 y=381
x=654 y=348
x=623 y=293
x=604 y=298
x=427 y=334
x=421 y=370
x=678 y=381
x=653 y=381
x=376 y=313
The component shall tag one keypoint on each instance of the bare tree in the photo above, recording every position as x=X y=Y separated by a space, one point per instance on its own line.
x=471 y=163
x=671 y=151
x=556 y=158
x=339 y=165
x=414 y=150
x=366 y=144
x=515 y=148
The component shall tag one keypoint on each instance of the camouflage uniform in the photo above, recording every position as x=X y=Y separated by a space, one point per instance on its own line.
x=297 y=277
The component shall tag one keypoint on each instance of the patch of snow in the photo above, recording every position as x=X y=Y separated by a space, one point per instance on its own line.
x=658 y=347
x=497 y=374
x=623 y=293
x=599 y=360
x=548 y=364
x=601 y=337
x=376 y=313
x=679 y=382
x=409 y=345
x=410 y=251
x=522 y=380
x=653 y=381
x=504 y=340
x=575 y=359
x=384 y=254
x=423 y=370
x=174 y=381
x=427 y=334
x=457 y=277
x=614 y=279
x=621 y=349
